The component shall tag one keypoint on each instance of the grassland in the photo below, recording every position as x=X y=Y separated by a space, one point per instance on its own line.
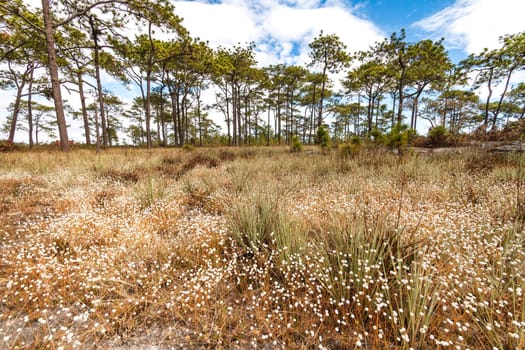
x=261 y=248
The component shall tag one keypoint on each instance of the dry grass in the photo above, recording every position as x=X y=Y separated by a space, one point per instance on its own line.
x=260 y=248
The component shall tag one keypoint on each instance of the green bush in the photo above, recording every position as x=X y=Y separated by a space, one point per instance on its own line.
x=377 y=136
x=296 y=145
x=411 y=135
x=350 y=149
x=188 y=147
x=323 y=138
x=399 y=137
x=438 y=136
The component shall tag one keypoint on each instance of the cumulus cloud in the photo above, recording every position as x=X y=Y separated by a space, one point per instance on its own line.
x=220 y=24
x=472 y=25
x=281 y=29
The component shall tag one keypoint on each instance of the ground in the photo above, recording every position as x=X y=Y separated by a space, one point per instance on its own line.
x=261 y=248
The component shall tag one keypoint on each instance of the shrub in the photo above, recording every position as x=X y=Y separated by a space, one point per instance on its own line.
x=323 y=138
x=411 y=135
x=296 y=146
x=398 y=137
x=438 y=136
x=188 y=147
x=377 y=136
x=5 y=146
x=351 y=148
x=420 y=141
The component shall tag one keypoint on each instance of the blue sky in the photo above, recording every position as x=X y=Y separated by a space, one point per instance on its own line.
x=467 y=25
x=391 y=15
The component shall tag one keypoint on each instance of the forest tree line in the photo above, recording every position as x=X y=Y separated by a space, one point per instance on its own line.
x=70 y=44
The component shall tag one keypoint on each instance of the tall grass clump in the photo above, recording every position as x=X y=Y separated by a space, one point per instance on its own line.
x=500 y=317
x=150 y=191
x=260 y=225
x=241 y=175
x=356 y=253
x=413 y=296
x=373 y=274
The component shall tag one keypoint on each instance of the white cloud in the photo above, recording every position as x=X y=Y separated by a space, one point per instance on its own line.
x=473 y=25
x=282 y=29
x=220 y=24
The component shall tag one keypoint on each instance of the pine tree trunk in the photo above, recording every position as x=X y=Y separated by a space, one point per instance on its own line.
x=103 y=123
x=310 y=134
x=415 y=108
x=147 y=106
x=394 y=100
x=53 y=72
x=268 y=126
x=323 y=86
x=400 y=103
x=36 y=131
x=487 y=104
x=199 y=117
x=444 y=116
x=228 y=120
x=239 y=119
x=97 y=129
x=495 y=118
x=83 y=106
x=234 y=114
x=148 y=87
x=369 y=113
x=30 y=105
x=174 y=110
x=161 y=117
x=16 y=111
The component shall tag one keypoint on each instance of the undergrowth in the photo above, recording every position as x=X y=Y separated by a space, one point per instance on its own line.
x=261 y=248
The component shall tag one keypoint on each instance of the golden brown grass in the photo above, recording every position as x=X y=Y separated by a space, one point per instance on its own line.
x=260 y=248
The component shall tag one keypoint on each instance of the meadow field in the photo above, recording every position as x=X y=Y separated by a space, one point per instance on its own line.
x=261 y=248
